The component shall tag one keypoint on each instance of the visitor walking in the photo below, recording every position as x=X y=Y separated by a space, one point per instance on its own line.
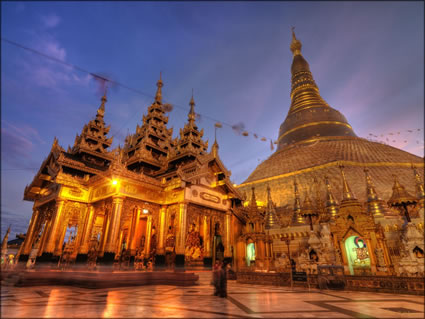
x=223 y=281
x=216 y=277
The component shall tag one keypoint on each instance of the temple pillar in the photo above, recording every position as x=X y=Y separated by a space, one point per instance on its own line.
x=49 y=247
x=371 y=249
x=160 y=251
x=148 y=236
x=135 y=233
x=113 y=231
x=181 y=236
x=44 y=235
x=227 y=248
x=105 y=229
x=60 y=239
x=207 y=241
x=29 y=238
x=86 y=235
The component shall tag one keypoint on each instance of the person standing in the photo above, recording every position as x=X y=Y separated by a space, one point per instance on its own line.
x=223 y=281
x=216 y=277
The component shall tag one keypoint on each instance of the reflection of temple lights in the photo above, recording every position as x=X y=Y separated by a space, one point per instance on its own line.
x=145 y=211
x=114 y=182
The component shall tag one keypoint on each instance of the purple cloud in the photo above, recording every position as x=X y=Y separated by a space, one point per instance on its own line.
x=51 y=20
x=18 y=142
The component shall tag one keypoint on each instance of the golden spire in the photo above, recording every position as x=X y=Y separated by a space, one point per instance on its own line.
x=347 y=194
x=101 y=110
x=5 y=238
x=271 y=220
x=297 y=218
x=192 y=114
x=159 y=84
x=420 y=193
x=307 y=207
x=309 y=116
x=214 y=148
x=253 y=202
x=374 y=204
x=331 y=203
x=400 y=195
x=295 y=44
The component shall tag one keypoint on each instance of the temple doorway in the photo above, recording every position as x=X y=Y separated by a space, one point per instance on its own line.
x=357 y=255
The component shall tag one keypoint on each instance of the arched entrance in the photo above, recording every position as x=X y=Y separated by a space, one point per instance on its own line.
x=357 y=255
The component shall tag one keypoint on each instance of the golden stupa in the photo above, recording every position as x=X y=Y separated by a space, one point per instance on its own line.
x=314 y=141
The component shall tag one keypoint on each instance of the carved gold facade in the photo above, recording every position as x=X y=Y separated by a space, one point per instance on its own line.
x=155 y=197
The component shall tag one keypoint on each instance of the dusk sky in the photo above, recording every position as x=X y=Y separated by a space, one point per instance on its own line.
x=367 y=59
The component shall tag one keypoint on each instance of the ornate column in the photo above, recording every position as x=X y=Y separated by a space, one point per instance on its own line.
x=86 y=235
x=181 y=235
x=114 y=228
x=29 y=239
x=207 y=239
x=228 y=249
x=160 y=251
x=134 y=236
x=44 y=235
x=148 y=235
x=105 y=229
x=54 y=231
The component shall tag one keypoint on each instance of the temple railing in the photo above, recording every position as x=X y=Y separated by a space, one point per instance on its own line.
x=390 y=284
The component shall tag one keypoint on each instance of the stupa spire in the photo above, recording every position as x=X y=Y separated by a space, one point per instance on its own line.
x=420 y=193
x=347 y=194
x=331 y=203
x=297 y=218
x=374 y=203
x=159 y=84
x=271 y=219
x=295 y=44
x=309 y=116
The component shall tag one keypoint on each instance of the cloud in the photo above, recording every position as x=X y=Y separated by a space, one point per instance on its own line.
x=51 y=20
x=18 y=142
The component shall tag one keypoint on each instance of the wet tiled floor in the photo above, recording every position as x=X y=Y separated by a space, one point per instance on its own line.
x=243 y=301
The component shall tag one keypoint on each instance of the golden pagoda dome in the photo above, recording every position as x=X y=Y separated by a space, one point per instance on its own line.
x=315 y=140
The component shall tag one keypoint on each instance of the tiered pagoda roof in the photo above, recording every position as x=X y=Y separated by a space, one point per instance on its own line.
x=148 y=148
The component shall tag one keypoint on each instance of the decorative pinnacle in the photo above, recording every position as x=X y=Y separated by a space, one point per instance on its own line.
x=420 y=193
x=159 y=84
x=331 y=203
x=297 y=205
x=295 y=44
x=370 y=189
x=347 y=193
x=101 y=110
x=271 y=218
x=192 y=114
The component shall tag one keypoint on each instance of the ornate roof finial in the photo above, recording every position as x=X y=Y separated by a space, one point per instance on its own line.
x=101 y=110
x=347 y=194
x=297 y=217
x=374 y=205
x=420 y=193
x=271 y=220
x=192 y=114
x=295 y=44
x=214 y=149
x=331 y=203
x=159 y=84
x=5 y=238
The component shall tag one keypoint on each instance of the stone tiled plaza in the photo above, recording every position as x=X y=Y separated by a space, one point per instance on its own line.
x=243 y=301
